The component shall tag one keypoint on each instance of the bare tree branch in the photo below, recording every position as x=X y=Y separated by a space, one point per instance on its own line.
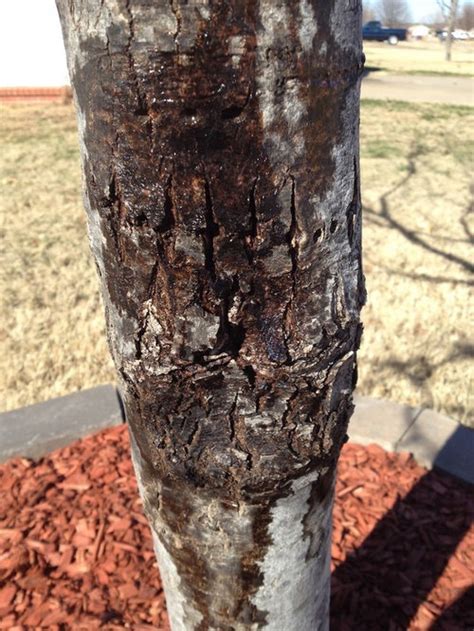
x=394 y=12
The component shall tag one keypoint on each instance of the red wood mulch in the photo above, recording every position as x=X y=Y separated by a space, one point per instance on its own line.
x=75 y=550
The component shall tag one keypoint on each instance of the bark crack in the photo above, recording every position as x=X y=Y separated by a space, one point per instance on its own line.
x=233 y=435
x=210 y=232
x=293 y=240
x=251 y=236
x=291 y=404
x=164 y=233
x=169 y=220
x=230 y=336
x=115 y=199
x=289 y=407
x=353 y=207
x=145 y=317
x=142 y=106
x=232 y=418
x=293 y=250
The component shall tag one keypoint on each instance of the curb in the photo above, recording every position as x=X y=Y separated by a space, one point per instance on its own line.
x=433 y=439
x=35 y=430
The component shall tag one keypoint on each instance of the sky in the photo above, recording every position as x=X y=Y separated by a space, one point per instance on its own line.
x=31 y=48
x=421 y=10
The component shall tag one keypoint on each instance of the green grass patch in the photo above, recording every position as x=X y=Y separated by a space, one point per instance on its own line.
x=433 y=73
x=428 y=111
x=380 y=149
x=463 y=152
x=389 y=105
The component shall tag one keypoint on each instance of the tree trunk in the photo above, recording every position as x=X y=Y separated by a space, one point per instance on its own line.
x=220 y=155
x=453 y=10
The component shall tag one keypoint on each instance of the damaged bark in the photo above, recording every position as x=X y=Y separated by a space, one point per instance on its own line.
x=220 y=156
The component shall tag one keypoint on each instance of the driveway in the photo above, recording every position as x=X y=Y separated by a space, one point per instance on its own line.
x=419 y=88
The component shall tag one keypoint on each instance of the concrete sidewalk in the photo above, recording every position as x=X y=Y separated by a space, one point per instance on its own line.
x=419 y=88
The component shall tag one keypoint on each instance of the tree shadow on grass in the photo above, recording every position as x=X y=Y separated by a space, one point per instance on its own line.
x=420 y=369
x=383 y=583
x=370 y=70
x=384 y=218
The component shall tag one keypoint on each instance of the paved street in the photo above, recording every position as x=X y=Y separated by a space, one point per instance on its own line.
x=419 y=88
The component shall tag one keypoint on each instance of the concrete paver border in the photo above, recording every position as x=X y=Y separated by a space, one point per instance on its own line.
x=433 y=439
x=36 y=430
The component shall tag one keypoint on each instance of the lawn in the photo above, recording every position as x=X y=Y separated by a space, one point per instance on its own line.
x=418 y=234
x=423 y=57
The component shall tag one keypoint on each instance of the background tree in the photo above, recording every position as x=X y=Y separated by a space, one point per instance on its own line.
x=368 y=13
x=466 y=18
x=394 y=12
x=220 y=156
x=449 y=9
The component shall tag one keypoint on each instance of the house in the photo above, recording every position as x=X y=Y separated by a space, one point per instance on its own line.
x=419 y=31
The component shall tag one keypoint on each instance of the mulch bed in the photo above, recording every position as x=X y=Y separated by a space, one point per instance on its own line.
x=76 y=553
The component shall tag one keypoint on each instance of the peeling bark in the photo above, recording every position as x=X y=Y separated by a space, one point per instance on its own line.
x=220 y=156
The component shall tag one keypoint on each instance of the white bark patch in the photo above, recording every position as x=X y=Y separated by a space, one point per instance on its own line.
x=283 y=141
x=182 y=614
x=90 y=21
x=96 y=234
x=294 y=595
x=294 y=109
x=256 y=421
x=236 y=48
x=274 y=18
x=156 y=28
x=122 y=332
x=295 y=588
x=190 y=246
x=196 y=329
x=308 y=26
x=203 y=9
x=81 y=124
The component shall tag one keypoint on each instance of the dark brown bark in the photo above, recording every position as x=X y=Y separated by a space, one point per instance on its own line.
x=222 y=183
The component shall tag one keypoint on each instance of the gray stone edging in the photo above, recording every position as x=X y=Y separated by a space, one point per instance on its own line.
x=433 y=439
x=36 y=430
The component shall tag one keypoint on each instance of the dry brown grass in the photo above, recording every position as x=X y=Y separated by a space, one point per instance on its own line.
x=52 y=331
x=423 y=57
x=419 y=228
x=418 y=248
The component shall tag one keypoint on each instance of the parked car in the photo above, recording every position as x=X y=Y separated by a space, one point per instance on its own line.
x=460 y=34
x=376 y=32
x=457 y=35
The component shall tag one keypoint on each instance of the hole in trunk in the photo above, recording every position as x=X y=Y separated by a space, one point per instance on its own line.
x=231 y=112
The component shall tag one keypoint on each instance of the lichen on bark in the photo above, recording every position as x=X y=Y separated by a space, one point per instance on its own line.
x=220 y=155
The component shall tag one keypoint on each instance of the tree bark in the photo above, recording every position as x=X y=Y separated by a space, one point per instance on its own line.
x=220 y=155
